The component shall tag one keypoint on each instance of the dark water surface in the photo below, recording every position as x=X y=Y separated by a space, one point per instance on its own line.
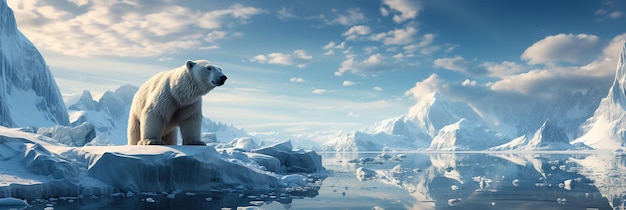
x=416 y=181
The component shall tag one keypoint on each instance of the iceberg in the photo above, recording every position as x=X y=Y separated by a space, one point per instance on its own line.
x=36 y=166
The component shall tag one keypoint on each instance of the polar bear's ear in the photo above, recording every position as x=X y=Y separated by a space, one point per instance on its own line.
x=190 y=64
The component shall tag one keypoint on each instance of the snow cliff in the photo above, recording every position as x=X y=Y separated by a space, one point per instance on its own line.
x=29 y=95
x=606 y=129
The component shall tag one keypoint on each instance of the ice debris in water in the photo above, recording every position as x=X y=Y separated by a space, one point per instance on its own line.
x=515 y=182
x=12 y=203
x=454 y=201
x=363 y=174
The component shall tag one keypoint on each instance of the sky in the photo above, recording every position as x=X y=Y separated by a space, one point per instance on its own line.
x=327 y=66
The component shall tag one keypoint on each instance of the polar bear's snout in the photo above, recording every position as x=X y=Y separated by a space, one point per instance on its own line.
x=221 y=81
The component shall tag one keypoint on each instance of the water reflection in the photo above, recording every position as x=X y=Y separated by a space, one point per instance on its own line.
x=417 y=181
x=496 y=180
x=280 y=198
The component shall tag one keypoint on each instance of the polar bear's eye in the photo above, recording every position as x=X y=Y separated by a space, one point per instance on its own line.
x=209 y=68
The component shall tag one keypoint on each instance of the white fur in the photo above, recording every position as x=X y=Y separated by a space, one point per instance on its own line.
x=172 y=99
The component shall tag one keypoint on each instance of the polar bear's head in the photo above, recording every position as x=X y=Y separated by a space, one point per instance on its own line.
x=206 y=74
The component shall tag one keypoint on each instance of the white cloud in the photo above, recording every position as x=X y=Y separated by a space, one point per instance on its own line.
x=356 y=31
x=597 y=73
x=296 y=79
x=319 y=91
x=457 y=63
x=570 y=48
x=284 y=14
x=398 y=56
x=373 y=64
x=353 y=17
x=214 y=36
x=402 y=9
x=615 y=14
x=124 y=28
x=400 y=36
x=329 y=46
x=429 y=85
x=348 y=83
x=298 y=58
x=370 y=49
x=352 y=114
x=427 y=39
x=504 y=69
x=468 y=82
x=376 y=88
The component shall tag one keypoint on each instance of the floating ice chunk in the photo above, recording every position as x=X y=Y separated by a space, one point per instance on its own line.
x=515 y=182
x=12 y=203
x=454 y=201
x=294 y=180
x=397 y=169
x=363 y=174
x=454 y=187
x=568 y=184
x=294 y=161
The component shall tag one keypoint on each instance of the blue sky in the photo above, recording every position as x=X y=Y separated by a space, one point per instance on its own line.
x=307 y=66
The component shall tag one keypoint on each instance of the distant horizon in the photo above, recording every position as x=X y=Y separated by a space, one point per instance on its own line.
x=332 y=66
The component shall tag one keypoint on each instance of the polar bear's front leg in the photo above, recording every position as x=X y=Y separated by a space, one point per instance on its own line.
x=151 y=130
x=190 y=127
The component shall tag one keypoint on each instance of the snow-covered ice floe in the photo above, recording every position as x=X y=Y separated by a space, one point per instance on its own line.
x=35 y=166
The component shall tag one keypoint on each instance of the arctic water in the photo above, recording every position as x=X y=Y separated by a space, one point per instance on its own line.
x=417 y=180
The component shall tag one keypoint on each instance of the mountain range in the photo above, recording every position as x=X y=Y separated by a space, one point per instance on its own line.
x=574 y=121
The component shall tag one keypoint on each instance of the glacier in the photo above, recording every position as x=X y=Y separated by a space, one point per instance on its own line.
x=30 y=97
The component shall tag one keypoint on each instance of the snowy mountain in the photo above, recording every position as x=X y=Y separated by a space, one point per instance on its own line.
x=548 y=137
x=417 y=129
x=606 y=129
x=567 y=111
x=109 y=115
x=433 y=113
x=29 y=95
x=466 y=135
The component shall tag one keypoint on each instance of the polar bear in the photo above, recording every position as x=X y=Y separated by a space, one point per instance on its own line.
x=172 y=99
